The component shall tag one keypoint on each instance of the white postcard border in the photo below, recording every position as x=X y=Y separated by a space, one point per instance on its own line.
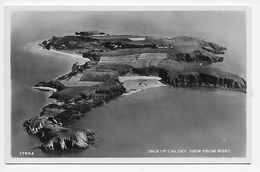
x=7 y=115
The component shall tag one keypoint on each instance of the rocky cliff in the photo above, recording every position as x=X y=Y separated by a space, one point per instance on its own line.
x=52 y=125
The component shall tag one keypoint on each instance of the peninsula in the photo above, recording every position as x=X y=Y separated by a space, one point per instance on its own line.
x=119 y=65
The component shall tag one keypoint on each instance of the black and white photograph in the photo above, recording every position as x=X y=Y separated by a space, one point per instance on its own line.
x=118 y=83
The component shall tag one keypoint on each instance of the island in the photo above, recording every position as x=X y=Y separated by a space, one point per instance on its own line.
x=119 y=65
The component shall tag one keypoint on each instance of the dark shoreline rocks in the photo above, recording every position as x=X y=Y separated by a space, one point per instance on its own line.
x=197 y=77
x=201 y=79
x=52 y=125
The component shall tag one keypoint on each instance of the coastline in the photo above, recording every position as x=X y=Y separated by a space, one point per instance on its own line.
x=132 y=83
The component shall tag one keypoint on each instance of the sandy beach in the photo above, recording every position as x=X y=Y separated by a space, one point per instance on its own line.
x=35 y=48
x=135 y=84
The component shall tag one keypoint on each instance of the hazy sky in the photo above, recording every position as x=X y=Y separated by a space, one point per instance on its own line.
x=227 y=28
